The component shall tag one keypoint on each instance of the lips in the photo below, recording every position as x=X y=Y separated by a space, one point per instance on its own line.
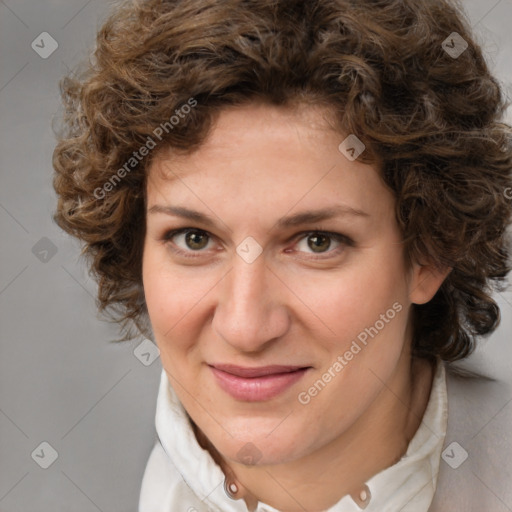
x=261 y=371
x=256 y=384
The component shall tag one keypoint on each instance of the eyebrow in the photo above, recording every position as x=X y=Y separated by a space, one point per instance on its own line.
x=297 y=219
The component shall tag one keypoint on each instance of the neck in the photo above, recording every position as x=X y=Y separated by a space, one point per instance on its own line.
x=377 y=440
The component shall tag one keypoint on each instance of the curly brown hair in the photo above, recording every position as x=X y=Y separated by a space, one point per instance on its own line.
x=432 y=119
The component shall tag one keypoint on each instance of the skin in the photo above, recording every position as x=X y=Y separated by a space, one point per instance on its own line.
x=261 y=163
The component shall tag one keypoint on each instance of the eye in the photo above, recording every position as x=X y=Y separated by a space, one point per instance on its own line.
x=192 y=240
x=320 y=242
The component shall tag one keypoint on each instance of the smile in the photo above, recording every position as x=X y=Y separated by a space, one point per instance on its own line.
x=256 y=384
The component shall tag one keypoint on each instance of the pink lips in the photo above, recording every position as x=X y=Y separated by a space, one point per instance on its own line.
x=256 y=384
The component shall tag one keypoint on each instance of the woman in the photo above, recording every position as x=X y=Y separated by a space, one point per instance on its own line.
x=304 y=205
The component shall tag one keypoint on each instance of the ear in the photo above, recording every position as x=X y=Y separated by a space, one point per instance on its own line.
x=425 y=281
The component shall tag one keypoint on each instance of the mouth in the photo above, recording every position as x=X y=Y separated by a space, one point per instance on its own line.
x=256 y=384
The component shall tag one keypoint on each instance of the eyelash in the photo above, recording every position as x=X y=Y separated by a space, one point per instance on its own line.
x=338 y=237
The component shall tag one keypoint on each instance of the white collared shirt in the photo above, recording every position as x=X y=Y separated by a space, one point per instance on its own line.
x=181 y=476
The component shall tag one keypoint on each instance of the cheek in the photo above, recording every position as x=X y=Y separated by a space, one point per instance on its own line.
x=356 y=297
x=372 y=319
x=165 y=295
x=368 y=314
x=174 y=297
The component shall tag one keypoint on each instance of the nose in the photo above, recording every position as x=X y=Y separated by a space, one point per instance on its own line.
x=251 y=311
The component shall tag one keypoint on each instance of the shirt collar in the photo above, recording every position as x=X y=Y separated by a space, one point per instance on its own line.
x=408 y=485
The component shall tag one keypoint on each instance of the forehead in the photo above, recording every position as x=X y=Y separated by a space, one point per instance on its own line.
x=270 y=156
x=234 y=127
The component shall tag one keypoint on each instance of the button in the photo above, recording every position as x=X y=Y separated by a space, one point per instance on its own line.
x=363 y=499
x=231 y=489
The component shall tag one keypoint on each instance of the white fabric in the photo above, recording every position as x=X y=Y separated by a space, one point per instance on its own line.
x=180 y=475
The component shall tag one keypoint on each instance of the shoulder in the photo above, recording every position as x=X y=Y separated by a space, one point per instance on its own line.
x=158 y=474
x=476 y=466
x=162 y=486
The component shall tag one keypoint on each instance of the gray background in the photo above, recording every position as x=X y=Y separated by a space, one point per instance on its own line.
x=61 y=381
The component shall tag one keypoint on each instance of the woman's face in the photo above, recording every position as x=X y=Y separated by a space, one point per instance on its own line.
x=262 y=279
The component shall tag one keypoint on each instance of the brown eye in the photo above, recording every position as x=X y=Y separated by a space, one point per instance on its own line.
x=318 y=242
x=196 y=240
x=187 y=239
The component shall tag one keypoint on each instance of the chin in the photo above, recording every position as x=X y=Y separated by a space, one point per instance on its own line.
x=257 y=448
